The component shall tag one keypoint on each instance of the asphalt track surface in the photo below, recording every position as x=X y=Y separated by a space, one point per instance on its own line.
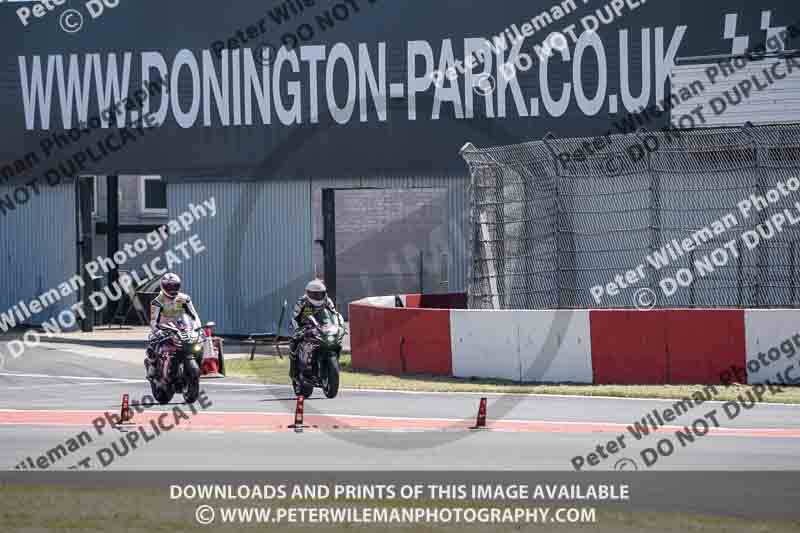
x=49 y=396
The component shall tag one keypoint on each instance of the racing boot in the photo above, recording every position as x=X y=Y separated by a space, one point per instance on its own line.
x=294 y=368
x=150 y=364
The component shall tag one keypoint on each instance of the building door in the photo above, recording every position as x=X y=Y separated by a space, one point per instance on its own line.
x=387 y=241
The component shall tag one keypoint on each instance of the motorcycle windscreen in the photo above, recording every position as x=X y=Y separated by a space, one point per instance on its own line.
x=184 y=322
x=327 y=320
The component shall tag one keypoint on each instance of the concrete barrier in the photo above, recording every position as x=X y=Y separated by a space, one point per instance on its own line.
x=434 y=334
x=676 y=346
x=536 y=346
x=772 y=345
x=407 y=340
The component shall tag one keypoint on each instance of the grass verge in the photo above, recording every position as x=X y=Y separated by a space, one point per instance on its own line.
x=275 y=370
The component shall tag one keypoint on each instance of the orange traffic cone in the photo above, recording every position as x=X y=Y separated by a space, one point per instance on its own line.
x=298 y=413
x=125 y=414
x=480 y=422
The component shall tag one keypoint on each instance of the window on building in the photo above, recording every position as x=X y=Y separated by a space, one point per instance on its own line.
x=153 y=195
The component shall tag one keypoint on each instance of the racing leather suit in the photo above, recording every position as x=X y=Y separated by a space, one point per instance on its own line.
x=303 y=308
x=165 y=310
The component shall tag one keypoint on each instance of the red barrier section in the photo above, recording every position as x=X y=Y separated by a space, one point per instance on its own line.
x=366 y=333
x=675 y=346
x=401 y=340
x=628 y=347
x=703 y=343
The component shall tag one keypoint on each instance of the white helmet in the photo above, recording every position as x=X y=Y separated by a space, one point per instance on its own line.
x=316 y=292
x=171 y=285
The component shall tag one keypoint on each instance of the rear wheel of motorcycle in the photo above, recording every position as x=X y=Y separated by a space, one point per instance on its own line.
x=330 y=385
x=192 y=377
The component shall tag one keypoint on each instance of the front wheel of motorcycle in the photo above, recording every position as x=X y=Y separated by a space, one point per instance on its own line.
x=162 y=393
x=301 y=388
x=192 y=379
x=330 y=384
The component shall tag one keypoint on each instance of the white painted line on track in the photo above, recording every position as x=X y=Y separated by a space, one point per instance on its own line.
x=247 y=386
x=127 y=380
x=77 y=378
x=59 y=386
x=539 y=395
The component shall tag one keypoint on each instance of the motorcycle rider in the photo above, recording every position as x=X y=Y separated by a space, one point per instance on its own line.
x=315 y=298
x=167 y=308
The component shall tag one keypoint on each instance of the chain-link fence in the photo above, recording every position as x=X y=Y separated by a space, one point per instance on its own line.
x=675 y=218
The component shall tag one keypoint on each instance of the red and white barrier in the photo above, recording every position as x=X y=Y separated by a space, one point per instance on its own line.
x=602 y=346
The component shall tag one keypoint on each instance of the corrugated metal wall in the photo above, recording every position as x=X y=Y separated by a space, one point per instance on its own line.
x=258 y=250
x=37 y=240
x=260 y=243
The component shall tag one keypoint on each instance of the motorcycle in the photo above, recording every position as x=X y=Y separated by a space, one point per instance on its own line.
x=320 y=348
x=180 y=353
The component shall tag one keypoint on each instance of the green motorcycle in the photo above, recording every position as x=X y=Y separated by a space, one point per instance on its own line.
x=320 y=349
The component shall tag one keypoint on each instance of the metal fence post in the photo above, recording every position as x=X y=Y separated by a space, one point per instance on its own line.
x=559 y=215
x=761 y=186
x=691 y=285
x=654 y=211
x=791 y=271
x=739 y=280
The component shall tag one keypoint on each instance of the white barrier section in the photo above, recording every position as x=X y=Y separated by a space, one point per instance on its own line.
x=569 y=346
x=485 y=344
x=377 y=301
x=512 y=345
x=766 y=329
